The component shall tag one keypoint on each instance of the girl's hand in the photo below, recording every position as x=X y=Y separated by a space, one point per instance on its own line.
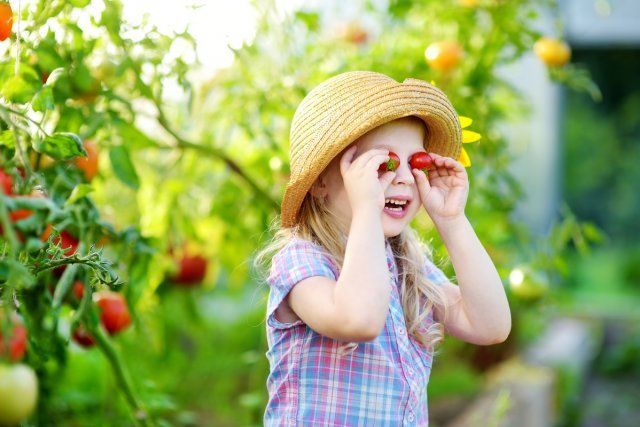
x=360 y=176
x=444 y=193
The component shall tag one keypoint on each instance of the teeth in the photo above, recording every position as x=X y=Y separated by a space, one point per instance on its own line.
x=397 y=202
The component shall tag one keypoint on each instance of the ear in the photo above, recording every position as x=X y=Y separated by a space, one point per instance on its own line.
x=319 y=187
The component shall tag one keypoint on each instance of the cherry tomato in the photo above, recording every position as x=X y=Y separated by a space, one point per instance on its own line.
x=114 y=311
x=78 y=289
x=66 y=240
x=192 y=270
x=6 y=20
x=6 y=183
x=421 y=160
x=443 y=55
x=89 y=164
x=17 y=343
x=18 y=393
x=552 y=52
x=391 y=164
x=20 y=214
x=82 y=337
x=353 y=32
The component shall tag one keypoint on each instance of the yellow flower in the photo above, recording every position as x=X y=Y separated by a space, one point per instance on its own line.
x=467 y=137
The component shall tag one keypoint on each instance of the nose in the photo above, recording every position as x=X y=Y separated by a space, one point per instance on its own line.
x=404 y=174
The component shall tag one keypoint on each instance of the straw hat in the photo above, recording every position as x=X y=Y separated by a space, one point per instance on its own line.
x=348 y=105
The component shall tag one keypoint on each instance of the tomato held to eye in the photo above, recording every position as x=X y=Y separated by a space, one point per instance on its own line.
x=421 y=160
x=391 y=164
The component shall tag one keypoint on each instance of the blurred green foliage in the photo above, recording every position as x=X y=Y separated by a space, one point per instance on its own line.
x=602 y=145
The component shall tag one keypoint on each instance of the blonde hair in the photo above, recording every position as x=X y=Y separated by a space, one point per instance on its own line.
x=321 y=226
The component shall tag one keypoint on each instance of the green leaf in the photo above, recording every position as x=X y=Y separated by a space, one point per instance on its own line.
x=43 y=100
x=7 y=139
x=79 y=192
x=16 y=274
x=123 y=166
x=80 y=3
x=61 y=146
x=133 y=136
x=17 y=89
x=310 y=19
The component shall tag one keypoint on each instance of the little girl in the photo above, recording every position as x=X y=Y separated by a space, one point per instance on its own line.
x=355 y=304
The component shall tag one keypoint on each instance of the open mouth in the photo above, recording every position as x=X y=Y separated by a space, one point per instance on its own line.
x=396 y=208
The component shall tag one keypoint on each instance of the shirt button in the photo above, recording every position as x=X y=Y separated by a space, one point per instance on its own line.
x=401 y=330
x=410 y=371
x=410 y=417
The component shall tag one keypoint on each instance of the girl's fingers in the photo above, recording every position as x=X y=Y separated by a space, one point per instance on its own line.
x=376 y=161
x=424 y=186
x=347 y=158
x=369 y=155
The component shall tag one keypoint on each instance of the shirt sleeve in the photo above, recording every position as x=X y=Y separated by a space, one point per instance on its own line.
x=298 y=260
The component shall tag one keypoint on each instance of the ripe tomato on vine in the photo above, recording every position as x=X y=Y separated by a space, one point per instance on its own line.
x=6 y=20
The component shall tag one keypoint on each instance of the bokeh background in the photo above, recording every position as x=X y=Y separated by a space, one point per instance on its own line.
x=144 y=151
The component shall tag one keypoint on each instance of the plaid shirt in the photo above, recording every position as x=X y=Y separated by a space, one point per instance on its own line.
x=315 y=380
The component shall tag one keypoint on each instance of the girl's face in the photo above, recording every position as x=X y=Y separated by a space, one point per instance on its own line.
x=404 y=138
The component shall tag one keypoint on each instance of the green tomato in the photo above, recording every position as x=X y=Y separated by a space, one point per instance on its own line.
x=527 y=283
x=18 y=393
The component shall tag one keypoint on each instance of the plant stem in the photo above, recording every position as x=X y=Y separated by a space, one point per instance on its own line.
x=122 y=377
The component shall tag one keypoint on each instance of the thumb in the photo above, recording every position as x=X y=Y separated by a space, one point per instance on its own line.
x=424 y=186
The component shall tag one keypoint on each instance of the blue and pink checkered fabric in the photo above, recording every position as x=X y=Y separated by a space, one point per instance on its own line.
x=315 y=380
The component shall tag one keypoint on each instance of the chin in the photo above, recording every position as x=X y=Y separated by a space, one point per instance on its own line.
x=392 y=227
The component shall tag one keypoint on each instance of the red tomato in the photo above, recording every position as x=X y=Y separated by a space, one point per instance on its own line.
x=421 y=160
x=17 y=343
x=114 y=311
x=391 y=164
x=6 y=21
x=78 y=289
x=82 y=337
x=19 y=214
x=6 y=183
x=192 y=270
x=66 y=240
